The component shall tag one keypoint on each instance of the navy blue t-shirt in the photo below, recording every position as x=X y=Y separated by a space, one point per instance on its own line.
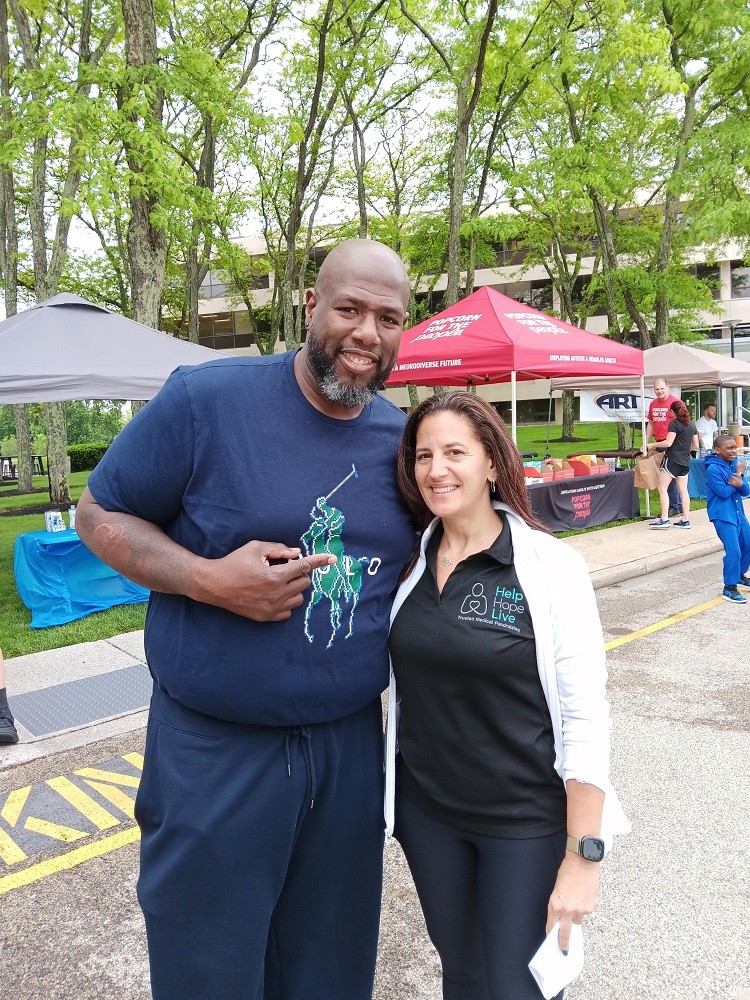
x=232 y=451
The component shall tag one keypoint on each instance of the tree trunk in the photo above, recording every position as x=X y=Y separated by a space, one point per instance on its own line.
x=568 y=423
x=147 y=244
x=57 y=453
x=23 y=443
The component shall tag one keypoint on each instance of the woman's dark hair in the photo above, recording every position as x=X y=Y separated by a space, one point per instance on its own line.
x=490 y=431
x=680 y=411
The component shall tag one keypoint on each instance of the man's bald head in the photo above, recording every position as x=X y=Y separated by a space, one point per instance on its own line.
x=353 y=258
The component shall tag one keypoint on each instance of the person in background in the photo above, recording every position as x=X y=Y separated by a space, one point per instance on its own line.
x=681 y=439
x=502 y=794
x=726 y=487
x=658 y=427
x=707 y=427
x=243 y=483
x=8 y=732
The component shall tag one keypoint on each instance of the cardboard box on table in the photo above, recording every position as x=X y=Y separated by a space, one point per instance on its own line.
x=536 y=472
x=588 y=465
x=559 y=468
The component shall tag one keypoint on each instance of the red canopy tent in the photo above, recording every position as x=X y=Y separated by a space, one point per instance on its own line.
x=488 y=337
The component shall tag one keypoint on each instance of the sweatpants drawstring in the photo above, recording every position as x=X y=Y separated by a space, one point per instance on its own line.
x=306 y=733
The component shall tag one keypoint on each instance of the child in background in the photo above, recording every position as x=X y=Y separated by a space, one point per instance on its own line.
x=726 y=487
x=8 y=732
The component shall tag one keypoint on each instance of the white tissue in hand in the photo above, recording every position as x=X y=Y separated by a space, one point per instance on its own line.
x=552 y=970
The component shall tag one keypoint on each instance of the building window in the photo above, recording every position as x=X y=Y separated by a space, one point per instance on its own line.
x=740 y=280
x=597 y=306
x=709 y=274
x=219 y=330
x=213 y=287
x=540 y=295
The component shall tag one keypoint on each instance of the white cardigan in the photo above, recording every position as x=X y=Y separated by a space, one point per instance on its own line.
x=570 y=657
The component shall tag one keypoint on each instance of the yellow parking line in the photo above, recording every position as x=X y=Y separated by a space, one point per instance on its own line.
x=664 y=623
x=63 y=862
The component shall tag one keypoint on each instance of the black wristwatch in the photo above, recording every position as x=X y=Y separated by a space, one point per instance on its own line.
x=589 y=848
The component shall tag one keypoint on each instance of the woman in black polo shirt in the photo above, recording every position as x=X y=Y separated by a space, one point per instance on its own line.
x=498 y=659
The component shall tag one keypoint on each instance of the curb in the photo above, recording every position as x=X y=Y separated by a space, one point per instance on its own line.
x=643 y=566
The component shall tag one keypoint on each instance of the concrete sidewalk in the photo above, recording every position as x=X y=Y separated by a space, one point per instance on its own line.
x=613 y=555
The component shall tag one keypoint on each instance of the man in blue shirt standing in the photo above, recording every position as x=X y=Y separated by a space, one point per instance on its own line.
x=243 y=483
x=726 y=487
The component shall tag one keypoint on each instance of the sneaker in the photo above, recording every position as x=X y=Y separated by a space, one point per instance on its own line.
x=744 y=582
x=675 y=512
x=660 y=524
x=682 y=524
x=8 y=732
x=733 y=595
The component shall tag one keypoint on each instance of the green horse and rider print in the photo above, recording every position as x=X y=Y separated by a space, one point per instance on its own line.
x=341 y=583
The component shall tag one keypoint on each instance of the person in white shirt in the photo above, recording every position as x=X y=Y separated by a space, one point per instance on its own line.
x=707 y=427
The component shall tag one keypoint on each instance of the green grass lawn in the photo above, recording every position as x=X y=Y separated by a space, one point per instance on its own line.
x=590 y=438
x=16 y=635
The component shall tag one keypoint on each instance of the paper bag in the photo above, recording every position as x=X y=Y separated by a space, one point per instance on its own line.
x=647 y=471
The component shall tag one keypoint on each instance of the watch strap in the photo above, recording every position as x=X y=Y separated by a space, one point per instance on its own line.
x=573 y=844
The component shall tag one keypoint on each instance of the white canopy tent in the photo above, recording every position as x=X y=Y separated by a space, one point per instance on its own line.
x=66 y=348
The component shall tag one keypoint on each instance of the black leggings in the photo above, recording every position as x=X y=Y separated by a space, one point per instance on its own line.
x=484 y=901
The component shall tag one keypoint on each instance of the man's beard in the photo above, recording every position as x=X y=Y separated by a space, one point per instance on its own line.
x=351 y=395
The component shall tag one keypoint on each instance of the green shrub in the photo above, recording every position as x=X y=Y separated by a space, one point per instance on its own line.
x=84 y=457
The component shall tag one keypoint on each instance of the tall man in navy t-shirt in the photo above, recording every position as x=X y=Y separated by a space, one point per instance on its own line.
x=257 y=499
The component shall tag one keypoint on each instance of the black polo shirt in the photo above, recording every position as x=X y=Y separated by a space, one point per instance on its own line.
x=475 y=736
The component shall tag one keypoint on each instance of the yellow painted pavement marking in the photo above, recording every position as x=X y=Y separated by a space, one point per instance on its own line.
x=114 y=795
x=55 y=830
x=664 y=623
x=72 y=859
x=14 y=805
x=10 y=852
x=83 y=803
x=136 y=759
x=128 y=780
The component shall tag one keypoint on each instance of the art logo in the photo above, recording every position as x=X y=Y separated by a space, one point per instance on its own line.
x=619 y=402
x=340 y=584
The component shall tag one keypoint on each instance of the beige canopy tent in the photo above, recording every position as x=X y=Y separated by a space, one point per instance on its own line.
x=680 y=365
x=683 y=366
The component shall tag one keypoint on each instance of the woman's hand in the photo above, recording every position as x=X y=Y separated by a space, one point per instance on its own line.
x=576 y=893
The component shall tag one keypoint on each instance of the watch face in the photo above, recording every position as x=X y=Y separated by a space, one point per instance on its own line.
x=592 y=848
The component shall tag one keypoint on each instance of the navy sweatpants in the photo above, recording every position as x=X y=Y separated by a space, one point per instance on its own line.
x=484 y=901
x=261 y=856
x=736 y=541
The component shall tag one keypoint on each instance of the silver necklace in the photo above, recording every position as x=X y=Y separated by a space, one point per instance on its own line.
x=451 y=562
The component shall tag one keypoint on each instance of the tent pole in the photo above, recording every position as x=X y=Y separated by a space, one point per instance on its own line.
x=644 y=445
x=549 y=420
x=513 y=407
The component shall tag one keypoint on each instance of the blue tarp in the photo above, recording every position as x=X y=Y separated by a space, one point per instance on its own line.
x=60 y=580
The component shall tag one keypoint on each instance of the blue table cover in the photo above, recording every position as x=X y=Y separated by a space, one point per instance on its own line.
x=60 y=580
x=697 y=479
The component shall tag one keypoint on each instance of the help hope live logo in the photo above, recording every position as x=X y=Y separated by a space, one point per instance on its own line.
x=502 y=608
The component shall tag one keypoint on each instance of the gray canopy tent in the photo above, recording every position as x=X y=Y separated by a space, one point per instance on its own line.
x=66 y=348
